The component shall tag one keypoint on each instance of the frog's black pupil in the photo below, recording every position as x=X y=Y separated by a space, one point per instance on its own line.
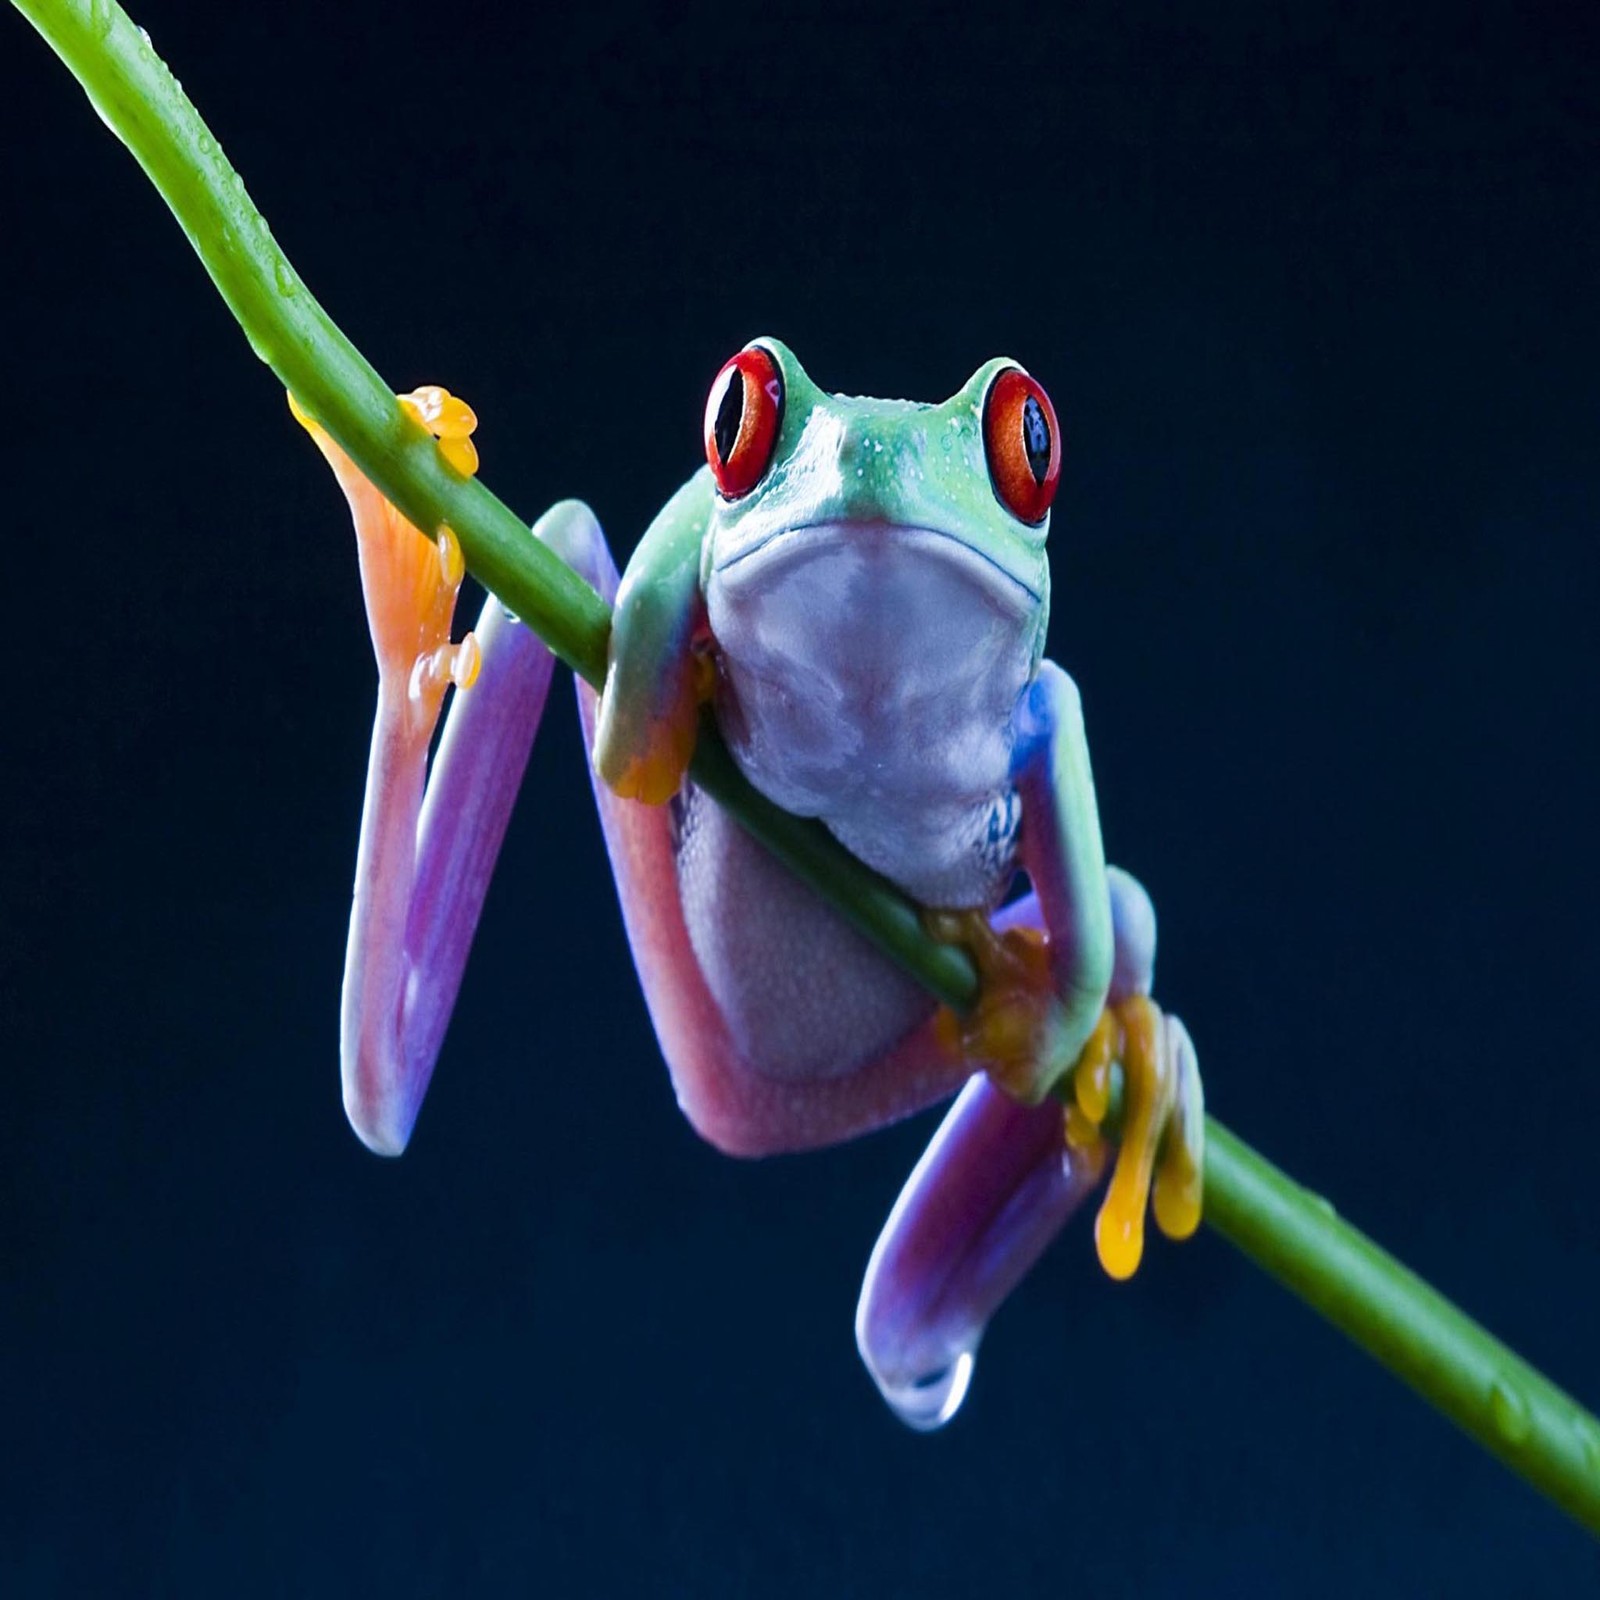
x=729 y=415
x=1035 y=438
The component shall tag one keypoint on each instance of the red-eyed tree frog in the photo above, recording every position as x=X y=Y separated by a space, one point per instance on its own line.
x=860 y=590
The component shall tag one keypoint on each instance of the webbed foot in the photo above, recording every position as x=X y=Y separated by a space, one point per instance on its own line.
x=410 y=581
x=1017 y=1030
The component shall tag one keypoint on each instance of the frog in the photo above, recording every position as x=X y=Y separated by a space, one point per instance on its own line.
x=856 y=592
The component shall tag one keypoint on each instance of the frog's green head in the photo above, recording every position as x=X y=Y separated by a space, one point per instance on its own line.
x=971 y=478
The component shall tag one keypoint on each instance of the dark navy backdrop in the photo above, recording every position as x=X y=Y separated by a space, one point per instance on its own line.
x=1316 y=298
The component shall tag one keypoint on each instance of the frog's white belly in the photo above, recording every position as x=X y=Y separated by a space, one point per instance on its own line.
x=869 y=674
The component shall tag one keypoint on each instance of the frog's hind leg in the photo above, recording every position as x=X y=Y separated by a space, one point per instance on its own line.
x=398 y=1000
x=990 y=1193
x=993 y=1189
x=782 y=1028
x=429 y=840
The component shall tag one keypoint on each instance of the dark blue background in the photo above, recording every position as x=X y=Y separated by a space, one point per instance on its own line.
x=1316 y=296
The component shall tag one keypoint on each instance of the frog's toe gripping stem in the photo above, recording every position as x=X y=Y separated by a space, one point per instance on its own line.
x=1163 y=1123
x=1163 y=1113
x=1177 y=1197
x=410 y=580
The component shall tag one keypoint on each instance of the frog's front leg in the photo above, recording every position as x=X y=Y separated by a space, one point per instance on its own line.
x=1063 y=856
x=1065 y=861
x=1043 y=1011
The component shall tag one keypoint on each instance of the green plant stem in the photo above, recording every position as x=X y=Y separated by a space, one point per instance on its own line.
x=1483 y=1387
x=1506 y=1405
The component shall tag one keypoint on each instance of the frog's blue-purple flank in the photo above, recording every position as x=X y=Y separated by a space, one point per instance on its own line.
x=860 y=590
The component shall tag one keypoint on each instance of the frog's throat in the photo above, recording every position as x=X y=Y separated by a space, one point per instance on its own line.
x=781 y=545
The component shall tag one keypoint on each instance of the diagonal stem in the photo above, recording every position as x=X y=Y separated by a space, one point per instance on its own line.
x=1508 y=1407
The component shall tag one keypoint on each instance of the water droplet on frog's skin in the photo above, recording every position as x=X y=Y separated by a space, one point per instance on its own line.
x=284 y=274
x=930 y=1401
x=1510 y=1412
x=145 y=47
x=204 y=143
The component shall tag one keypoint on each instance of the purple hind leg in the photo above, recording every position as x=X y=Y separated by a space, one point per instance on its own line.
x=993 y=1189
x=429 y=841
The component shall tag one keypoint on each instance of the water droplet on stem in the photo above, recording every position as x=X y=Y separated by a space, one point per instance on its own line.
x=1509 y=1410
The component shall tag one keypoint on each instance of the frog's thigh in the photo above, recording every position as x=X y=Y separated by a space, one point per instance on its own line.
x=805 y=997
x=781 y=1028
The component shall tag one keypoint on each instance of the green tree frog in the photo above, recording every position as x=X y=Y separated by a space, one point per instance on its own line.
x=859 y=588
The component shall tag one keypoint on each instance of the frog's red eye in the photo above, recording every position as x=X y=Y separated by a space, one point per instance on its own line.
x=1023 y=442
x=742 y=417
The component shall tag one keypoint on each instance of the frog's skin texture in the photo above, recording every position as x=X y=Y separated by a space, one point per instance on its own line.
x=868 y=620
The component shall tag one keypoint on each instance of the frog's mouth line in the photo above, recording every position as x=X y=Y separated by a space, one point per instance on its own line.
x=810 y=539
